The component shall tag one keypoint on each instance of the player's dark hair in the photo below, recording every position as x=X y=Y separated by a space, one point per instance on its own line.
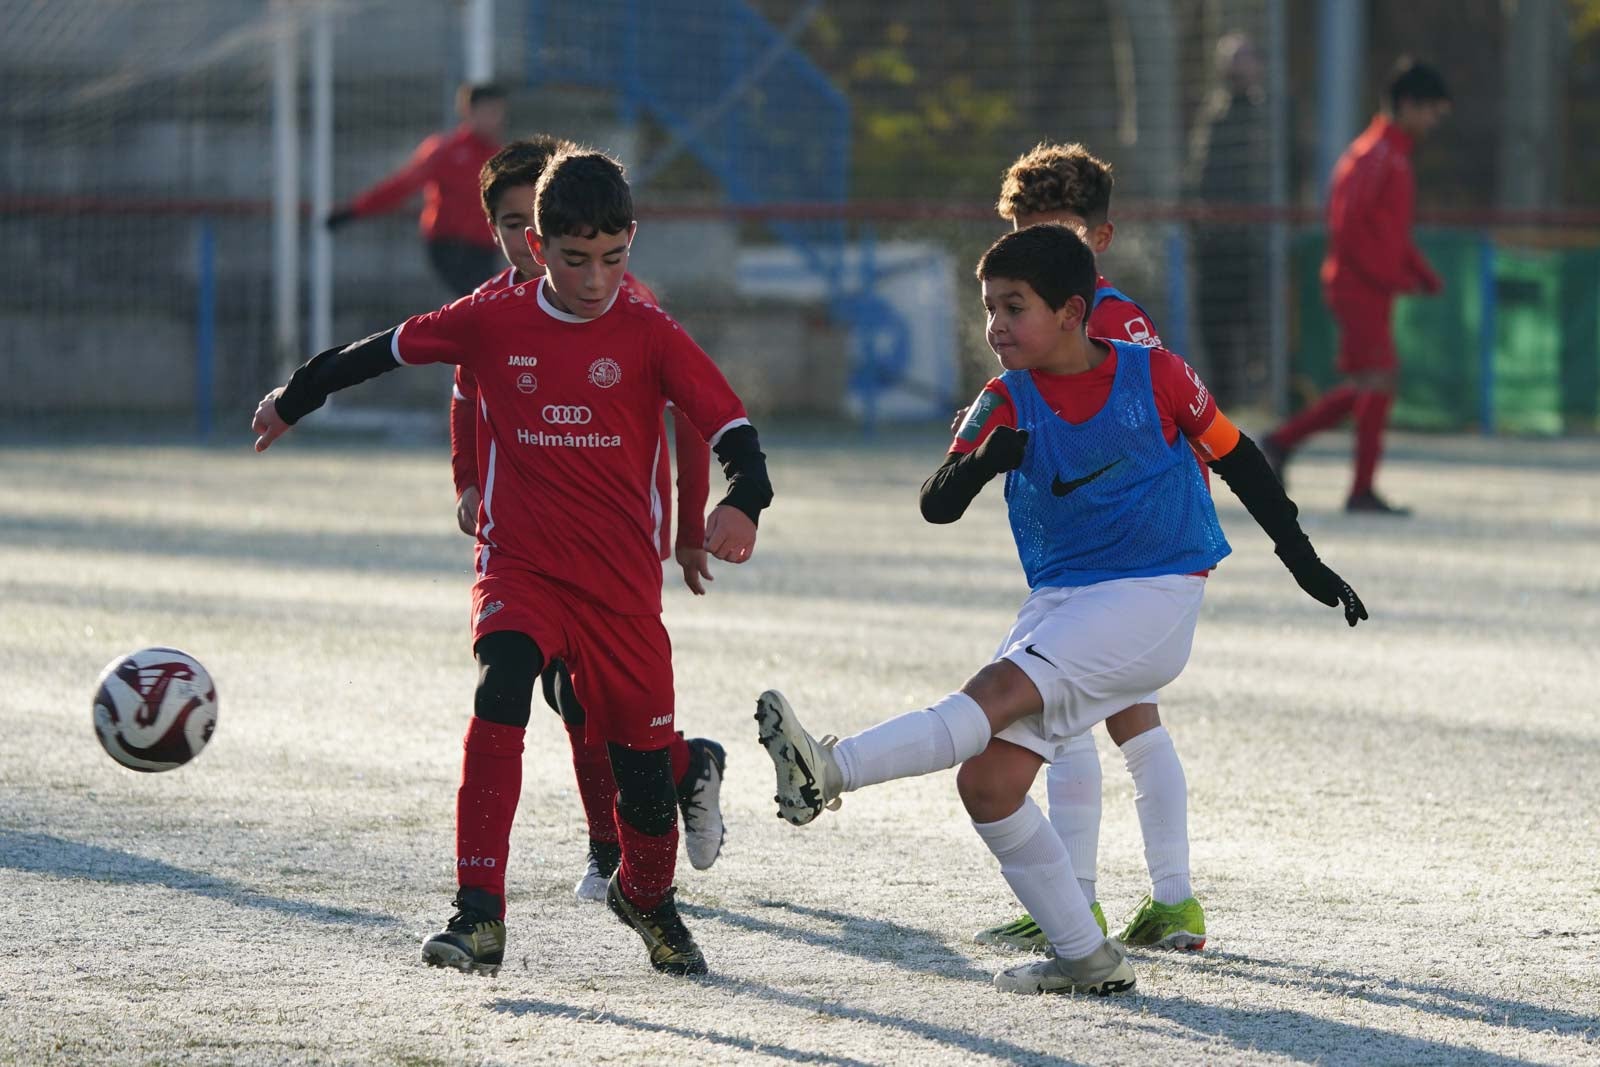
x=518 y=163
x=1050 y=257
x=1416 y=81
x=1054 y=177
x=473 y=94
x=582 y=194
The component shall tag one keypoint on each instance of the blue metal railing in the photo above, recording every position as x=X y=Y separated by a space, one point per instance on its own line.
x=734 y=92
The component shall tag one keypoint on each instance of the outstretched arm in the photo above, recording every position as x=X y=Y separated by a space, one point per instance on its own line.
x=1248 y=474
x=951 y=489
x=323 y=374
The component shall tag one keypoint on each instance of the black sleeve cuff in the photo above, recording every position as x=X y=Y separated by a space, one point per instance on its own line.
x=337 y=368
x=1247 y=473
x=949 y=490
x=745 y=466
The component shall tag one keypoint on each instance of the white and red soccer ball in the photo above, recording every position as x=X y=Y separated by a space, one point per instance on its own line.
x=154 y=709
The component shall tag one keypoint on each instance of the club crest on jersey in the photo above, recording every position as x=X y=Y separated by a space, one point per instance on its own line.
x=605 y=372
x=527 y=383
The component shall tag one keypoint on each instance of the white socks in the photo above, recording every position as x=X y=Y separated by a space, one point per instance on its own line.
x=918 y=742
x=1073 y=781
x=1161 y=795
x=1035 y=864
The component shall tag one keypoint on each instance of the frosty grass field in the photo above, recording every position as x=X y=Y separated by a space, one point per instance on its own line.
x=1396 y=829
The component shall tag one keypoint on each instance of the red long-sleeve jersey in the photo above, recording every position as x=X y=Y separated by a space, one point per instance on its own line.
x=1371 y=202
x=445 y=167
x=694 y=455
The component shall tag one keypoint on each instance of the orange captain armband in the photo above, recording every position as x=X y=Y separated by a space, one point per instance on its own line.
x=1218 y=440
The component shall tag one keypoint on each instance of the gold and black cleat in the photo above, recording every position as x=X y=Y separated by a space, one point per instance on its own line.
x=672 y=947
x=474 y=940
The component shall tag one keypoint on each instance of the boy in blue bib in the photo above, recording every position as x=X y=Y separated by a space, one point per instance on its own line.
x=1115 y=530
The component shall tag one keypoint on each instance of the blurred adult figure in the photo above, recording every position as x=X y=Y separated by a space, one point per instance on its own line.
x=445 y=166
x=1228 y=164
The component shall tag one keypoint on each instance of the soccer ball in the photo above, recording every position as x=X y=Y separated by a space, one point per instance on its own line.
x=154 y=709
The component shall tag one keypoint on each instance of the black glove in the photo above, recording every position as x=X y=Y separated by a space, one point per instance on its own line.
x=1319 y=580
x=1003 y=449
x=338 y=218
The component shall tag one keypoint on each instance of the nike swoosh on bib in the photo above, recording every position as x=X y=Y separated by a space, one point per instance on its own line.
x=1061 y=488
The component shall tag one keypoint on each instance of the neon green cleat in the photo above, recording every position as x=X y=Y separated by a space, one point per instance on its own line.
x=1179 y=926
x=1024 y=934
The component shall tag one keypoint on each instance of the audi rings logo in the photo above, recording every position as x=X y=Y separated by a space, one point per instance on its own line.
x=567 y=414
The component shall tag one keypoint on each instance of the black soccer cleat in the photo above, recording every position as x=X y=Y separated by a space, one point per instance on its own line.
x=672 y=947
x=474 y=940
x=1370 y=503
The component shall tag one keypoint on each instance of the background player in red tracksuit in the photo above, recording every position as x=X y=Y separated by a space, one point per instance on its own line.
x=445 y=168
x=1371 y=258
x=567 y=562
x=509 y=183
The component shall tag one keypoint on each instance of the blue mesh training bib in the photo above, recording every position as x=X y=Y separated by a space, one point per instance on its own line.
x=1107 y=498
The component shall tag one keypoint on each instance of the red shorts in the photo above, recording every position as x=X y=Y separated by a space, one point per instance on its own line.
x=1366 y=341
x=621 y=664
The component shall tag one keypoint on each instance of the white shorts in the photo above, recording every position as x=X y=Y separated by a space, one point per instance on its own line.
x=1093 y=650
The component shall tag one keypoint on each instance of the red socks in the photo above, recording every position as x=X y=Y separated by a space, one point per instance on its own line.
x=597 y=785
x=1372 y=417
x=1323 y=415
x=679 y=748
x=486 y=804
x=648 y=864
x=491 y=785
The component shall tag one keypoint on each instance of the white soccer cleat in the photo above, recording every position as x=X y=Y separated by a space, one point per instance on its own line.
x=809 y=778
x=700 y=800
x=603 y=860
x=1104 y=971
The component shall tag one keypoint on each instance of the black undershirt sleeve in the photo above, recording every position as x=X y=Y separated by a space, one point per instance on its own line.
x=952 y=488
x=745 y=465
x=337 y=368
x=1247 y=473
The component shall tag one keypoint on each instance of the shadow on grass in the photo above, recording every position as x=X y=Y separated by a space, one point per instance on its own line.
x=550 y=1010
x=60 y=858
x=875 y=940
x=1298 y=1036
x=1498 y=1012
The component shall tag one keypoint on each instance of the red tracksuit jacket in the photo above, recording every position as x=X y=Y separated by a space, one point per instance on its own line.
x=1370 y=210
x=445 y=167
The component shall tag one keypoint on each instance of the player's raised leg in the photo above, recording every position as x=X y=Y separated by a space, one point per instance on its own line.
x=491 y=783
x=813 y=773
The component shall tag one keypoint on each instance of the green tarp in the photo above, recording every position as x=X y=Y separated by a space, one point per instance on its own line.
x=1545 y=366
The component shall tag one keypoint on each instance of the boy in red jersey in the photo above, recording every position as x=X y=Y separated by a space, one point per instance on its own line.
x=445 y=168
x=509 y=182
x=567 y=563
x=1113 y=526
x=1371 y=259
x=1068 y=185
